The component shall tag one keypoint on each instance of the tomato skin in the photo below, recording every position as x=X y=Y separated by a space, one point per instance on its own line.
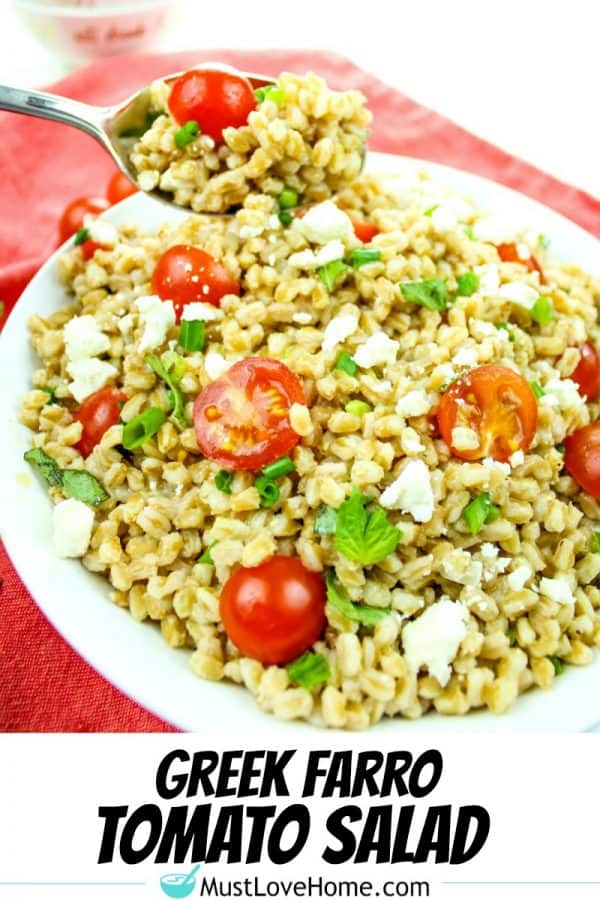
x=586 y=374
x=71 y=221
x=509 y=253
x=186 y=274
x=274 y=612
x=476 y=400
x=88 y=248
x=213 y=99
x=582 y=458
x=364 y=231
x=98 y=412
x=241 y=419
x=119 y=187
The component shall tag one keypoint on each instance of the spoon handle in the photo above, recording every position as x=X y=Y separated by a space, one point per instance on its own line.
x=58 y=109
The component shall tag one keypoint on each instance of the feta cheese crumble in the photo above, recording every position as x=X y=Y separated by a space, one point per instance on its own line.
x=516 y=459
x=72 y=523
x=338 y=330
x=519 y=293
x=562 y=392
x=459 y=566
x=89 y=375
x=309 y=259
x=200 y=312
x=411 y=492
x=415 y=403
x=158 y=316
x=101 y=231
x=215 y=364
x=432 y=641
x=464 y=438
x=517 y=579
x=325 y=222
x=558 y=589
x=83 y=338
x=377 y=350
x=466 y=356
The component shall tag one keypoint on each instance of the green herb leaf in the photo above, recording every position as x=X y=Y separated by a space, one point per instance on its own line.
x=270 y=92
x=357 y=407
x=511 y=634
x=595 y=546
x=431 y=209
x=537 y=389
x=51 y=395
x=192 y=334
x=47 y=467
x=142 y=427
x=504 y=326
x=544 y=241
x=561 y=448
x=82 y=236
x=309 y=670
x=366 y=537
x=268 y=490
x=345 y=363
x=187 y=134
x=287 y=199
x=167 y=370
x=223 y=481
x=325 y=519
x=206 y=558
x=467 y=284
x=542 y=311
x=559 y=665
x=432 y=293
x=279 y=468
x=468 y=230
x=479 y=512
x=285 y=217
x=330 y=272
x=80 y=485
x=360 y=256
x=356 y=612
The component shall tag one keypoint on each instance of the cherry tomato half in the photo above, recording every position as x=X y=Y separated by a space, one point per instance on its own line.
x=72 y=218
x=186 y=274
x=88 y=248
x=242 y=420
x=510 y=253
x=274 y=612
x=364 y=231
x=119 y=187
x=582 y=458
x=495 y=402
x=97 y=414
x=587 y=372
x=213 y=99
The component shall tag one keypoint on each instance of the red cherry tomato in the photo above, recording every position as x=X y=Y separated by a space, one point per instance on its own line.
x=119 y=187
x=72 y=218
x=213 y=99
x=587 y=372
x=364 y=231
x=509 y=253
x=495 y=402
x=97 y=414
x=242 y=420
x=186 y=274
x=275 y=611
x=582 y=458
x=88 y=248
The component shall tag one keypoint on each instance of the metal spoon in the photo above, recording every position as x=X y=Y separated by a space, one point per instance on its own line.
x=117 y=127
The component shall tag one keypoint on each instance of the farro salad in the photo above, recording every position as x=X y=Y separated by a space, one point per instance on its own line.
x=346 y=456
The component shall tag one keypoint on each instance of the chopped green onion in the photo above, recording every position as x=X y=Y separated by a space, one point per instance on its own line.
x=467 y=284
x=187 y=133
x=268 y=490
x=345 y=363
x=537 y=389
x=51 y=394
x=48 y=468
x=356 y=612
x=468 y=229
x=325 y=519
x=191 y=335
x=559 y=665
x=270 y=92
x=561 y=449
x=82 y=236
x=432 y=293
x=330 y=272
x=287 y=199
x=479 y=511
x=279 y=468
x=544 y=241
x=357 y=407
x=595 y=548
x=309 y=670
x=142 y=427
x=541 y=311
x=170 y=369
x=431 y=209
x=504 y=326
x=223 y=481
x=80 y=485
x=360 y=256
x=285 y=217
x=511 y=634
x=206 y=558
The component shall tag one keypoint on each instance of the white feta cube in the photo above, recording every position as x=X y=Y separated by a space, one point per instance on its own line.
x=325 y=222
x=433 y=639
x=72 y=523
x=215 y=364
x=200 y=312
x=83 y=338
x=489 y=280
x=158 y=316
x=466 y=357
x=377 y=350
x=518 y=578
x=89 y=375
x=411 y=492
x=516 y=459
x=415 y=403
x=337 y=330
x=459 y=566
x=562 y=392
x=519 y=293
x=101 y=231
x=558 y=589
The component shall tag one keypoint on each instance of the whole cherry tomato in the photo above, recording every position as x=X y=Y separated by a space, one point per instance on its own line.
x=213 y=99
x=119 y=187
x=186 y=274
x=98 y=412
x=73 y=215
x=587 y=372
x=582 y=458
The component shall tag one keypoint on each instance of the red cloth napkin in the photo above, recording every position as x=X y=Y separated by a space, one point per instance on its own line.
x=45 y=685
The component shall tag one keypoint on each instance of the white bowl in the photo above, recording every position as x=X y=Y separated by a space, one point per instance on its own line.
x=134 y=657
x=93 y=28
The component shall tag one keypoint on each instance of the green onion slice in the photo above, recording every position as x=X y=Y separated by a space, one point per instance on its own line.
x=345 y=363
x=270 y=92
x=192 y=334
x=279 y=468
x=187 y=133
x=542 y=311
x=206 y=557
x=268 y=490
x=357 y=407
x=467 y=284
x=537 y=389
x=479 y=512
x=330 y=272
x=223 y=481
x=595 y=548
x=142 y=427
x=82 y=236
x=287 y=199
x=361 y=256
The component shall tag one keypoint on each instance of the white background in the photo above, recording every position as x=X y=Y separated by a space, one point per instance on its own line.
x=522 y=73
x=541 y=794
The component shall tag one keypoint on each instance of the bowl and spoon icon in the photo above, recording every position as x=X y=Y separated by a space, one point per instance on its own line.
x=180 y=885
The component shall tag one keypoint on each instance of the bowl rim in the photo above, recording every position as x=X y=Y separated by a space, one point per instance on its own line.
x=114 y=8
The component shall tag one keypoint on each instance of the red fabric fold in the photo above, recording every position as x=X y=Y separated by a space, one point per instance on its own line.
x=45 y=685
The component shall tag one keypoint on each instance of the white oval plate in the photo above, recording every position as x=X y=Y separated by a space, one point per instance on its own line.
x=133 y=656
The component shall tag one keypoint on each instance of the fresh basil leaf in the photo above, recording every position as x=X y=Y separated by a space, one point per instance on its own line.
x=47 y=467
x=366 y=537
x=309 y=670
x=167 y=369
x=80 y=485
x=432 y=293
x=356 y=612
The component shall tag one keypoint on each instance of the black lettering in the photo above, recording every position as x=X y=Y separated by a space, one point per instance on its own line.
x=339 y=777
x=274 y=777
x=227 y=772
x=149 y=814
x=466 y=815
x=431 y=758
x=314 y=771
x=297 y=814
x=203 y=764
x=249 y=772
x=376 y=835
x=177 y=838
x=396 y=766
x=169 y=790
x=336 y=827
x=227 y=835
x=259 y=816
x=367 y=764
x=111 y=816
x=438 y=819
x=400 y=852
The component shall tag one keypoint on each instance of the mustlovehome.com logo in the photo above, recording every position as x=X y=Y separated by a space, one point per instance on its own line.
x=179 y=885
x=183 y=885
